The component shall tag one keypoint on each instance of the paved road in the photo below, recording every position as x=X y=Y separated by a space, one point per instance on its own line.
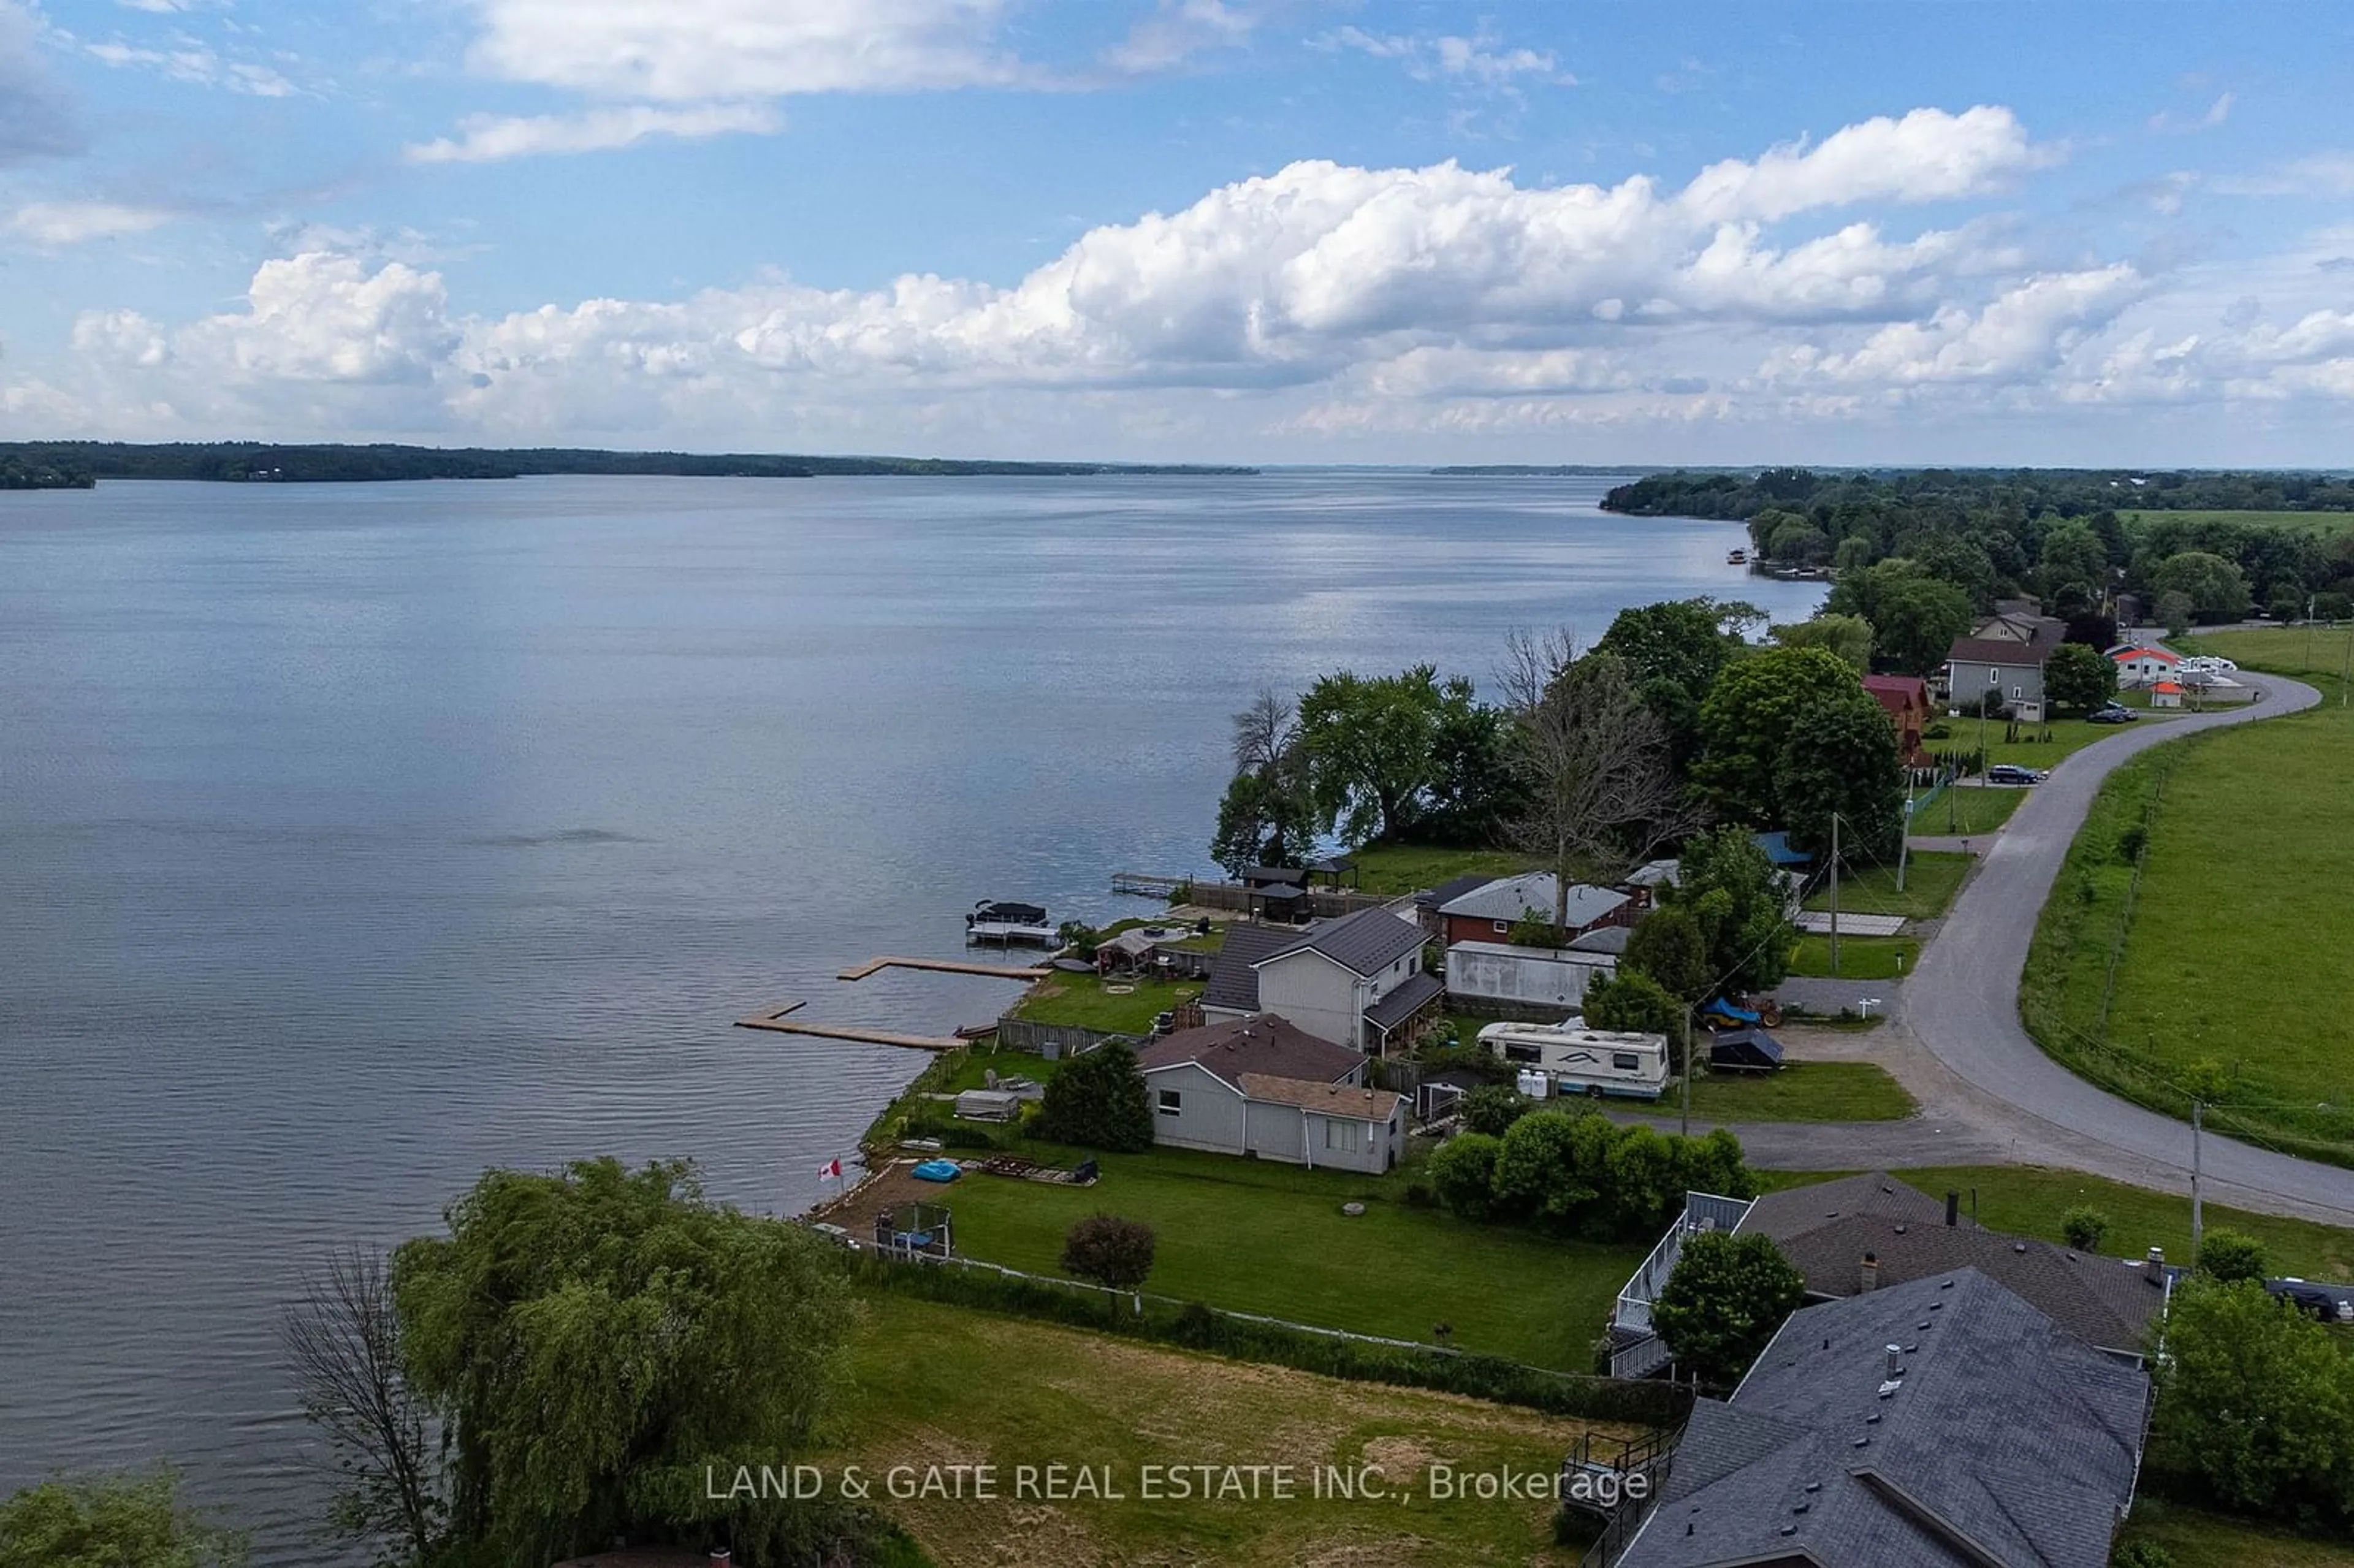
x=1962 y=1004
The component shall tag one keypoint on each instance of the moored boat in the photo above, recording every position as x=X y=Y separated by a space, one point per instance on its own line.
x=994 y=921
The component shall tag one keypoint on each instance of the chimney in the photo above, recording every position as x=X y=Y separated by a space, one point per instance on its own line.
x=1895 y=1361
x=1868 y=1277
x=1953 y=1208
x=2154 y=1266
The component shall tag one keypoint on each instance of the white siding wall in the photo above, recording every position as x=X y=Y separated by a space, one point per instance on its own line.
x=1209 y=1115
x=1274 y=1132
x=1318 y=995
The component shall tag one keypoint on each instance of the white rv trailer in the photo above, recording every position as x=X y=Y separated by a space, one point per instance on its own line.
x=1579 y=1060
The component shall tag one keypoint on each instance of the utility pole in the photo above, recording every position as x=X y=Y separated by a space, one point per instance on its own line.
x=1906 y=842
x=2308 y=631
x=2197 y=1109
x=1691 y=1042
x=1835 y=956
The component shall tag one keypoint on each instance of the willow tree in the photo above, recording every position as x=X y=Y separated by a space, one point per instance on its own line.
x=594 y=1341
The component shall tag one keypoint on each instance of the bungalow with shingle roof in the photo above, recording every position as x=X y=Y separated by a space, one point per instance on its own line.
x=1264 y=1088
x=1356 y=980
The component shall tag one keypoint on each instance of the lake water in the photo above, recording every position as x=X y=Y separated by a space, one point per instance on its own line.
x=354 y=838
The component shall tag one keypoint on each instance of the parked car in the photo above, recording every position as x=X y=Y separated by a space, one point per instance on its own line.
x=2012 y=773
x=2114 y=714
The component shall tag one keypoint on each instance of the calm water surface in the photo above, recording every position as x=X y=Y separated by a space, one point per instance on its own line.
x=354 y=838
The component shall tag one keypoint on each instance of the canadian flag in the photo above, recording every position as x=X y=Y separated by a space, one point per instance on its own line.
x=830 y=1171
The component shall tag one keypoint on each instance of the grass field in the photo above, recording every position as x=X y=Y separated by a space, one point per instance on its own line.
x=1860 y=958
x=2320 y=524
x=1261 y=1238
x=1410 y=868
x=1125 y=1006
x=942 y=1385
x=1802 y=1091
x=1931 y=880
x=2227 y=972
x=1963 y=811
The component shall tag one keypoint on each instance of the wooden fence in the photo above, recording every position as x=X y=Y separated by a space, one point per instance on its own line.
x=1235 y=895
x=1054 y=1041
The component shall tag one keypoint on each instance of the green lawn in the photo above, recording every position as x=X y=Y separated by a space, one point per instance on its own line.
x=2234 y=972
x=2196 y=1540
x=1860 y=958
x=1802 y=1091
x=2320 y=524
x=933 y=1384
x=1262 y=1237
x=1121 y=1005
x=1410 y=868
x=1931 y=880
x=1967 y=809
x=2067 y=736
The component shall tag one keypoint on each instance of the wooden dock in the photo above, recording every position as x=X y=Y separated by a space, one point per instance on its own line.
x=946 y=967
x=777 y=1019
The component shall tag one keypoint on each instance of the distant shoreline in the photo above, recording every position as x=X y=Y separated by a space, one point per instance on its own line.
x=268 y=463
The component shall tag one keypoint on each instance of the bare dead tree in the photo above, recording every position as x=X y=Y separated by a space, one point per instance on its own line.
x=1602 y=787
x=342 y=1337
x=1265 y=733
x=1532 y=662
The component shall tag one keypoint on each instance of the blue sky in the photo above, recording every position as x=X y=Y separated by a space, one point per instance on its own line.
x=1262 y=230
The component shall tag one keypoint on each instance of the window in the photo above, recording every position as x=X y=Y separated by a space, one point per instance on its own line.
x=1994 y=677
x=1503 y=927
x=2018 y=692
x=1171 y=1105
x=1515 y=1052
x=1341 y=1137
x=1623 y=1062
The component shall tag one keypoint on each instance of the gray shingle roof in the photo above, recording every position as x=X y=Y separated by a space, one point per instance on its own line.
x=1364 y=943
x=1447 y=892
x=1602 y=939
x=1510 y=897
x=2003 y=1440
x=1233 y=984
x=1266 y=1045
x=1826 y=1229
x=1403 y=999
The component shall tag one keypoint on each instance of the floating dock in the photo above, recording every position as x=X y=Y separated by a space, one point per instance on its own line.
x=946 y=967
x=777 y=1019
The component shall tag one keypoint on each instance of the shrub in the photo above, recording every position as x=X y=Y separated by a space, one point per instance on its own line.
x=2132 y=842
x=1492 y=1109
x=1110 y=1251
x=2084 y=1227
x=2141 y=1555
x=1098 y=1101
x=1418 y=1194
x=2226 y=1256
x=1462 y=1175
x=1534 y=928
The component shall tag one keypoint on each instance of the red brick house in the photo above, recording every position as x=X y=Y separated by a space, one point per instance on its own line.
x=1906 y=699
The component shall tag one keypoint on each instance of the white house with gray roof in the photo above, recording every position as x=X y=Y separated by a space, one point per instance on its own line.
x=1357 y=980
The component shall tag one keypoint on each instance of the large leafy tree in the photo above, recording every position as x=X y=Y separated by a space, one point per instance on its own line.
x=1840 y=759
x=2216 y=587
x=1723 y=1301
x=2079 y=677
x=1914 y=617
x=1098 y=1101
x=1674 y=650
x=593 y=1340
x=1667 y=947
x=1369 y=745
x=2073 y=556
x=1476 y=786
x=2256 y=1404
x=112 y=1522
x=1737 y=896
x=1746 y=724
